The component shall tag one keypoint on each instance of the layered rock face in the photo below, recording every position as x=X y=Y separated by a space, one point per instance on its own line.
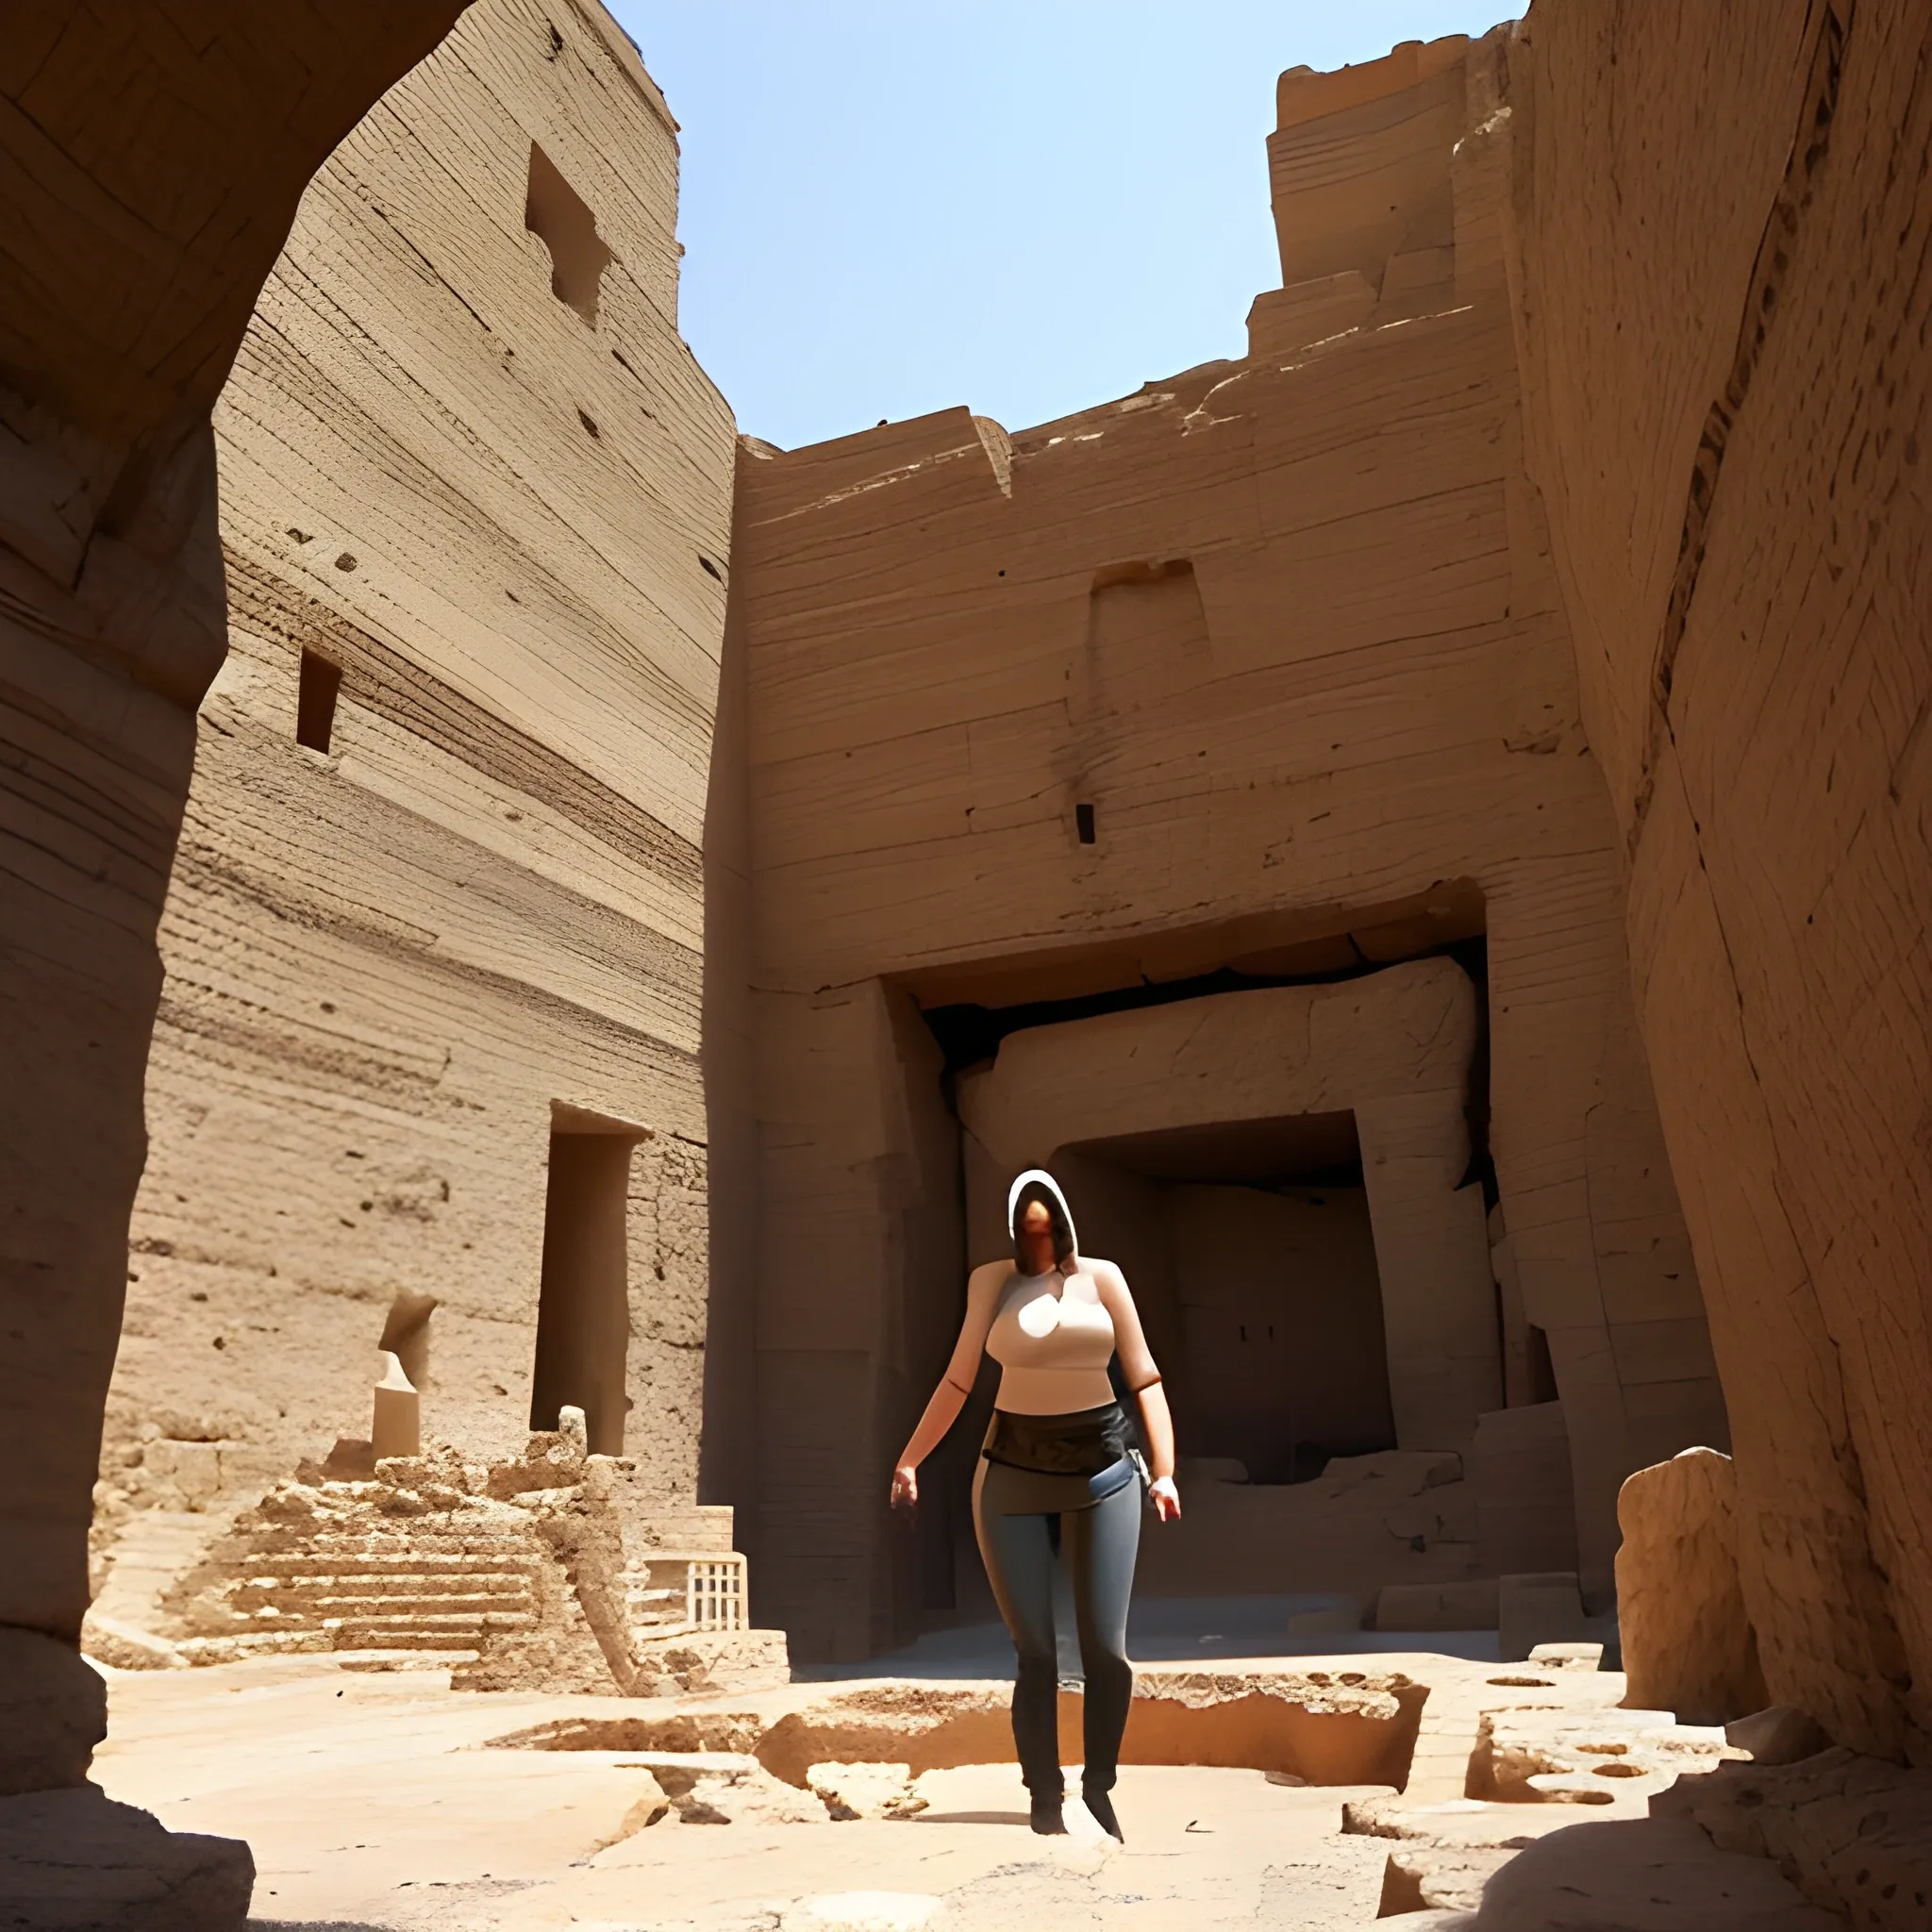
x=1687 y=1644
x=433 y=945
x=143 y=196
x=1716 y=236
x=1263 y=667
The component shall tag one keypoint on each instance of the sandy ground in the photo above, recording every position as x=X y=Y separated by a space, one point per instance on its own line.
x=369 y=1804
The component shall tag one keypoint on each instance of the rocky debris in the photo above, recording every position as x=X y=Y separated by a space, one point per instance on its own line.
x=126 y=1647
x=650 y=1807
x=1465 y=1824
x=743 y=1792
x=511 y=1575
x=1573 y=1656
x=1422 y=1878
x=1852 y=1832
x=704 y=1662
x=415 y=1561
x=865 y=1791
x=1555 y=1755
x=76 y=1860
x=679 y=1732
x=1688 y=1643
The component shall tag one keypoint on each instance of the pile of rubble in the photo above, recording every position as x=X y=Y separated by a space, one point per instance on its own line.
x=543 y=1572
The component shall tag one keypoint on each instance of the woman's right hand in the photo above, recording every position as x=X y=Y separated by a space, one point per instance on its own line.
x=906 y=1487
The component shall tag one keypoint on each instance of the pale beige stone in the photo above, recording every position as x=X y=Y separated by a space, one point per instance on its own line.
x=1288 y=626
x=1687 y=1641
x=1728 y=447
x=146 y=183
x=398 y=1426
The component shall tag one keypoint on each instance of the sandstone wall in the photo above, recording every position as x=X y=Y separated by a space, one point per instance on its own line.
x=150 y=164
x=505 y=518
x=1717 y=238
x=1290 y=626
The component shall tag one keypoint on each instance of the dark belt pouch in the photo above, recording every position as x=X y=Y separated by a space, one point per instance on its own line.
x=1084 y=1443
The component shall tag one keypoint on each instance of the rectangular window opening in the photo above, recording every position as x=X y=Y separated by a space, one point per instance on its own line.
x=1083 y=822
x=315 y=700
x=583 y=1305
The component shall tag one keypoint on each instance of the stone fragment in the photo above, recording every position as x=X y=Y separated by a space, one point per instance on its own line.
x=75 y=1862
x=397 y=1427
x=865 y=1791
x=745 y=1794
x=1578 y=1655
x=1687 y=1644
x=52 y=1712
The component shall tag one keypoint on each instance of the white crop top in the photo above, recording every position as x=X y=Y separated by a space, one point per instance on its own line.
x=1053 y=1338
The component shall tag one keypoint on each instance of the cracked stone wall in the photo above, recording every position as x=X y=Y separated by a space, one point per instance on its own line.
x=1288 y=628
x=143 y=196
x=1718 y=239
x=469 y=462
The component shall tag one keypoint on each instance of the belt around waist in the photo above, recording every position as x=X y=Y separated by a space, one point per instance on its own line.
x=1083 y=1443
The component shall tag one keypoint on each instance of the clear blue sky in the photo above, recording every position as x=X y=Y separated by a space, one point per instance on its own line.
x=1025 y=206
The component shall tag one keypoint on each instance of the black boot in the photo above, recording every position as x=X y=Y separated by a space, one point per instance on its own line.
x=1046 y=1819
x=1100 y=1809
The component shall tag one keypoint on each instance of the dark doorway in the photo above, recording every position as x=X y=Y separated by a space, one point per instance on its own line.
x=583 y=1310
x=1250 y=1244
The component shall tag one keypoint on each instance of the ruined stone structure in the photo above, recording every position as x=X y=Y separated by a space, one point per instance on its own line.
x=1261 y=675
x=1424 y=824
x=146 y=193
x=431 y=1021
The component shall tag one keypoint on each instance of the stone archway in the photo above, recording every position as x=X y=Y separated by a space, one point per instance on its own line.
x=1394 y=1048
x=152 y=164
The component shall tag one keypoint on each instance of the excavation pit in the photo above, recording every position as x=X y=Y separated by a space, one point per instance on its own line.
x=1319 y=1728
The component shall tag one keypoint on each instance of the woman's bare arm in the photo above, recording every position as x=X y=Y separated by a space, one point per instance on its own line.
x=982 y=1296
x=1144 y=1378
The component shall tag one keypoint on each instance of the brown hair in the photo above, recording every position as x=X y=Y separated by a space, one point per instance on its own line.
x=1062 y=1227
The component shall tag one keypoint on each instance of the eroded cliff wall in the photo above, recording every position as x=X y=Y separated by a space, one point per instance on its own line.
x=1720 y=244
x=150 y=162
x=467 y=463
x=1263 y=667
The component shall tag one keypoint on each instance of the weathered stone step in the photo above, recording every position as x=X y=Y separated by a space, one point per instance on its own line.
x=283 y=1594
x=472 y=1540
x=416 y=1608
x=311 y=1561
x=227 y=1649
x=474 y=1623
x=459 y=1645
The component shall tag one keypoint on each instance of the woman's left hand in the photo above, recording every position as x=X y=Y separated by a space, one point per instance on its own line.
x=1166 y=1498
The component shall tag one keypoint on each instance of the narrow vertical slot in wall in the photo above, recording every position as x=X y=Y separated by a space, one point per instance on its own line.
x=559 y=216
x=317 y=682
x=583 y=1309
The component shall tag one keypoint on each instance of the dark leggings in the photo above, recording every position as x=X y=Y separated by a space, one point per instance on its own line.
x=1099 y=1544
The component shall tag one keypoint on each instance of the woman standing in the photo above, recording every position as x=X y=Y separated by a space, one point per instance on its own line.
x=1056 y=1473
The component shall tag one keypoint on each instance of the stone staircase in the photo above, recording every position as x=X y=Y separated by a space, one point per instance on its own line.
x=543 y=1572
x=366 y=1591
x=403 y=1571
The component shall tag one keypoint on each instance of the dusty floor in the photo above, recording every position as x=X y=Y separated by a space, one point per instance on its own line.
x=368 y=1804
